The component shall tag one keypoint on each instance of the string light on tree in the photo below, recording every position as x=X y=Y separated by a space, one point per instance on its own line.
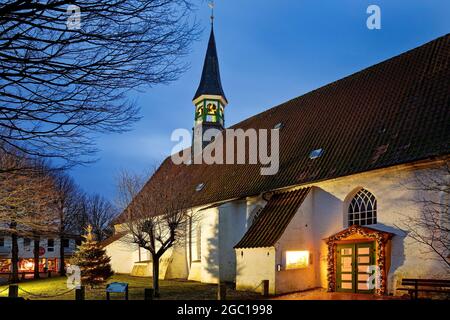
x=92 y=260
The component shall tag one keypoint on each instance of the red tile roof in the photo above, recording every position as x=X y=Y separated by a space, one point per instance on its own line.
x=270 y=224
x=392 y=113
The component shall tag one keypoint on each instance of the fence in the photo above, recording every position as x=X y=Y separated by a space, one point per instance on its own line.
x=14 y=290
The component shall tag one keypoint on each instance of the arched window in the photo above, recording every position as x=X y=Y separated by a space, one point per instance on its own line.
x=362 y=209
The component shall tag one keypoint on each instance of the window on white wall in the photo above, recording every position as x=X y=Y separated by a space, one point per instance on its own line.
x=362 y=209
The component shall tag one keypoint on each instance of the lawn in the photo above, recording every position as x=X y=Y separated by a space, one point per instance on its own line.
x=169 y=289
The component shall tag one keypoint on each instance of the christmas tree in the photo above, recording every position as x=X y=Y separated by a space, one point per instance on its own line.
x=93 y=262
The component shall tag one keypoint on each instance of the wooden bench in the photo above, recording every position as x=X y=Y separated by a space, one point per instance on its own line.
x=425 y=285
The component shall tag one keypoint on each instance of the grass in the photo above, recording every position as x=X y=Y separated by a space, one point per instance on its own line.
x=169 y=289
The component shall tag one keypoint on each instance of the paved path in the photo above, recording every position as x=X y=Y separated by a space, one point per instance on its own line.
x=321 y=294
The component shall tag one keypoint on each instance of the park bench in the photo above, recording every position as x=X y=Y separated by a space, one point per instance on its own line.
x=414 y=286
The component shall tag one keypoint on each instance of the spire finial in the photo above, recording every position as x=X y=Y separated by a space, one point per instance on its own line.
x=212 y=5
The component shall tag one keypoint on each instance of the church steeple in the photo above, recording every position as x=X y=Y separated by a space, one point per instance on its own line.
x=210 y=99
x=210 y=83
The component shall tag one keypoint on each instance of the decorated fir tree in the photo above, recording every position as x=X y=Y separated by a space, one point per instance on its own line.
x=92 y=260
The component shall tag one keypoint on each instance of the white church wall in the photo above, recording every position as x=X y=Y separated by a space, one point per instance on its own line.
x=221 y=228
x=123 y=255
x=327 y=219
x=210 y=246
x=253 y=266
x=298 y=236
x=178 y=267
x=232 y=227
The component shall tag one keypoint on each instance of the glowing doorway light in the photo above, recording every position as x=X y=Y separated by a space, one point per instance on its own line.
x=28 y=265
x=297 y=259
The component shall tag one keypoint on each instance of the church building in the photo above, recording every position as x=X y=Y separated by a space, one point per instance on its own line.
x=354 y=156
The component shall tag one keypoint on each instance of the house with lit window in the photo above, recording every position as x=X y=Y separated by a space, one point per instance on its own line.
x=351 y=157
x=49 y=253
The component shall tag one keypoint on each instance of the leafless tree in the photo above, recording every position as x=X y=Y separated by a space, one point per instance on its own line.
x=26 y=202
x=156 y=218
x=99 y=215
x=68 y=207
x=61 y=81
x=431 y=226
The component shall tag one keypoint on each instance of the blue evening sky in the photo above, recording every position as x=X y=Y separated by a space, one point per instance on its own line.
x=270 y=51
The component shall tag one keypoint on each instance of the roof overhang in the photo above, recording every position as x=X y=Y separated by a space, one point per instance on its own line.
x=359 y=231
x=222 y=100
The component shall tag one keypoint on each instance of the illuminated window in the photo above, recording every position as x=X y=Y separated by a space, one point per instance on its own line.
x=297 y=259
x=362 y=209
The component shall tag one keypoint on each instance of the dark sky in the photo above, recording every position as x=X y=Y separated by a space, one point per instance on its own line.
x=270 y=51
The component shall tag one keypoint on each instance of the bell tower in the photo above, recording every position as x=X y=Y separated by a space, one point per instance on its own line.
x=209 y=100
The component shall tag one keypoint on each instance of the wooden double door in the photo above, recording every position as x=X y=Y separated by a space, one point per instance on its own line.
x=354 y=261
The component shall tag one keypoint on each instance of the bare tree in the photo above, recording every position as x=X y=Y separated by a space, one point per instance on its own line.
x=99 y=215
x=26 y=202
x=431 y=226
x=67 y=205
x=62 y=78
x=156 y=218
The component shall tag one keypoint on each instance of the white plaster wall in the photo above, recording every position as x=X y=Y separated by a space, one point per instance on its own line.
x=178 y=267
x=221 y=228
x=123 y=255
x=209 y=270
x=298 y=236
x=232 y=227
x=253 y=266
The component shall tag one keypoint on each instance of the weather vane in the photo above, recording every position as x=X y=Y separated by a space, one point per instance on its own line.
x=211 y=5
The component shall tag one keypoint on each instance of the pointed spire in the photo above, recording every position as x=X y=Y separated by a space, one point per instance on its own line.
x=211 y=5
x=210 y=83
